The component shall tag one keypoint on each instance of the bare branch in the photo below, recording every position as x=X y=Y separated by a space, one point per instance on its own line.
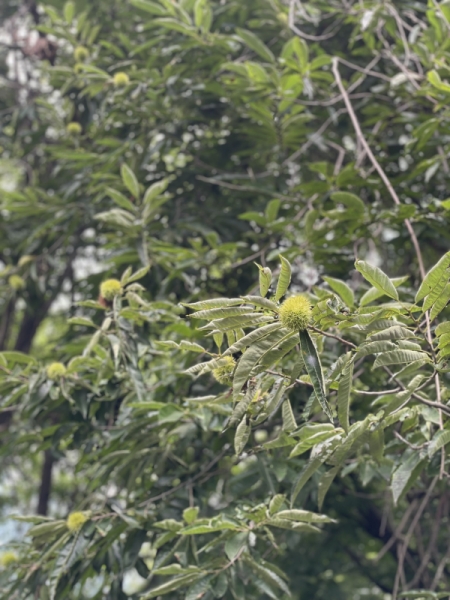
x=404 y=548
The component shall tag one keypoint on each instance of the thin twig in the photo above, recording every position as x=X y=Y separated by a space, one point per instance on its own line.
x=374 y=161
x=431 y=544
x=243 y=188
x=335 y=337
x=402 y=439
x=365 y=70
x=313 y=138
x=307 y=36
x=440 y=570
x=385 y=393
x=397 y=532
x=404 y=548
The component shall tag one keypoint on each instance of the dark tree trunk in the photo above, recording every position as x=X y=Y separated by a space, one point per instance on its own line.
x=46 y=483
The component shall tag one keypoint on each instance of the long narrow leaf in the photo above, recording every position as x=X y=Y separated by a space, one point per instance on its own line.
x=314 y=369
x=433 y=277
x=377 y=278
x=284 y=279
x=343 y=401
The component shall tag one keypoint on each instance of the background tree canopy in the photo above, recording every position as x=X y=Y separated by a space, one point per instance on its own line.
x=172 y=424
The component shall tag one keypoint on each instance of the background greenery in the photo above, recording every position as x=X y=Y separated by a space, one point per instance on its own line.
x=230 y=142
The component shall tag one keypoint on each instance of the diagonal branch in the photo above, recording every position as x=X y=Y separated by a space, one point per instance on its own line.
x=404 y=548
x=409 y=227
x=374 y=161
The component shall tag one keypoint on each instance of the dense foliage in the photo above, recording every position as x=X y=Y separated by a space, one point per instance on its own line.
x=224 y=332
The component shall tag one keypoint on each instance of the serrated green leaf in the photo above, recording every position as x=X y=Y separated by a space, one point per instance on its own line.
x=276 y=503
x=121 y=200
x=203 y=14
x=396 y=332
x=247 y=319
x=241 y=408
x=377 y=278
x=306 y=443
x=272 y=209
x=443 y=328
x=441 y=438
x=170 y=586
x=242 y=434
x=444 y=340
x=284 y=279
x=151 y=7
x=154 y=192
x=275 y=399
x=139 y=274
x=289 y=423
x=441 y=302
x=81 y=321
x=433 y=277
x=434 y=294
x=293 y=525
x=396 y=357
x=175 y=569
x=265 y=279
x=405 y=474
x=191 y=347
x=252 y=355
x=278 y=352
x=130 y=181
x=235 y=544
x=262 y=302
x=69 y=11
x=49 y=529
x=252 y=337
x=268 y=575
x=13 y=357
x=342 y=289
x=199 y=588
x=325 y=483
x=373 y=294
x=206 y=367
x=304 y=516
x=376 y=444
x=314 y=369
x=213 y=303
x=176 y=25
x=281 y=441
x=352 y=202
x=190 y=514
x=254 y=43
x=374 y=348
x=337 y=367
x=220 y=313
x=308 y=471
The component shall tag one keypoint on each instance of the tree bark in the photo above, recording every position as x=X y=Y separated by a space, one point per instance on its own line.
x=46 y=483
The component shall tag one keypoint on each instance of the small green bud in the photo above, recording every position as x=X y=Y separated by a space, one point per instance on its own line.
x=16 y=282
x=8 y=558
x=121 y=79
x=223 y=374
x=76 y=520
x=260 y=436
x=110 y=288
x=56 y=370
x=295 y=313
x=80 y=54
x=73 y=128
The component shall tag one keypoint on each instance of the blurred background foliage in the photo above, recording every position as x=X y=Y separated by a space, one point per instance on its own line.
x=183 y=141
